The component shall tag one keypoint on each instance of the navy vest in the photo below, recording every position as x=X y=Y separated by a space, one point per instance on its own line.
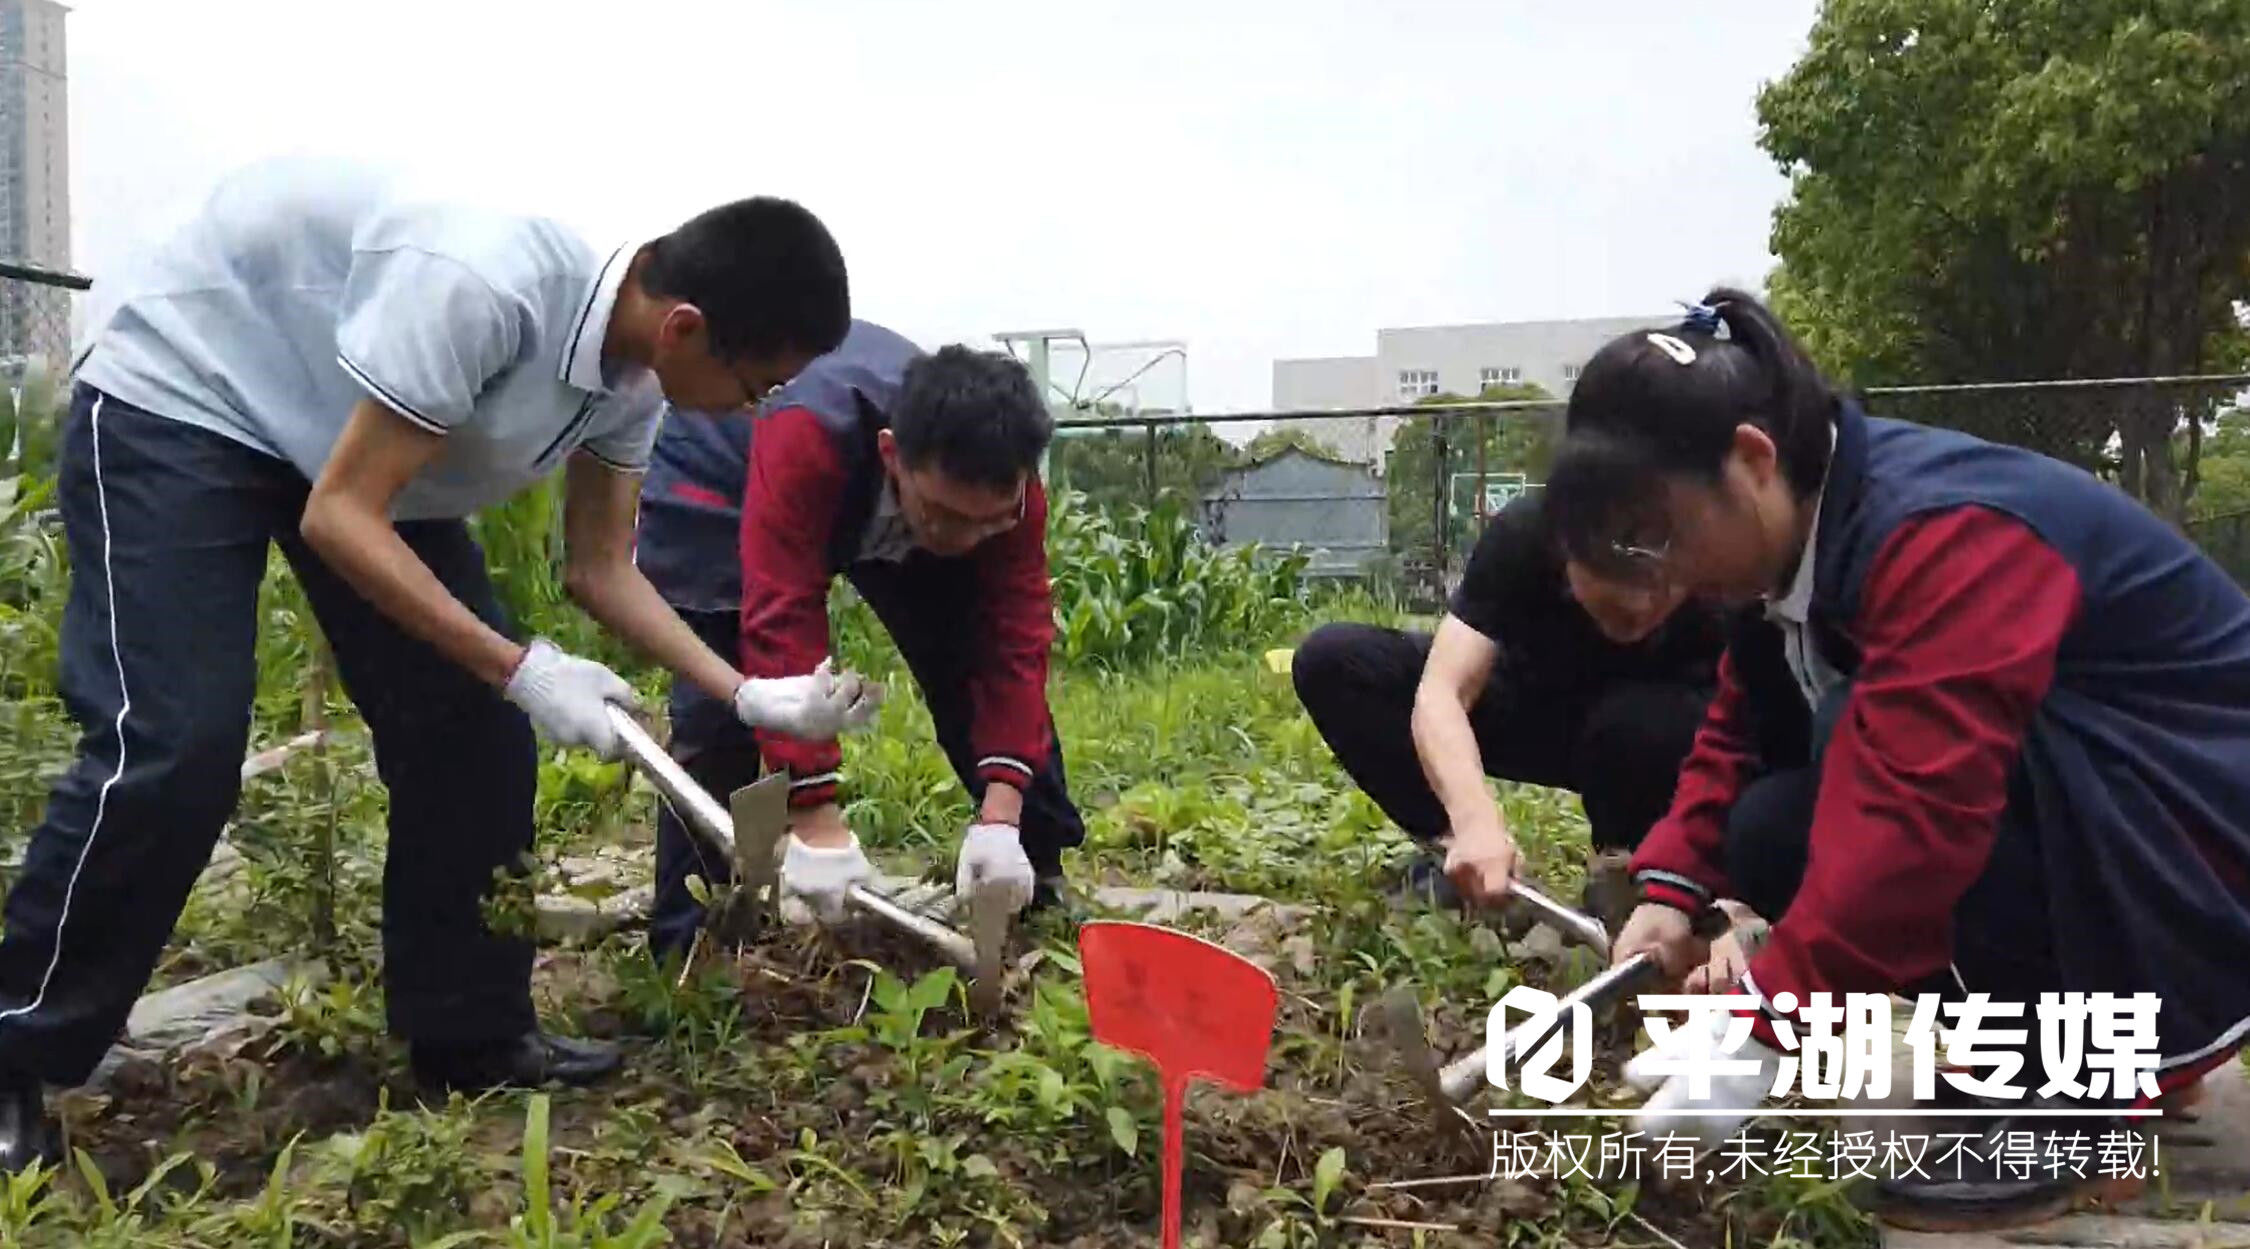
x=2123 y=860
x=691 y=501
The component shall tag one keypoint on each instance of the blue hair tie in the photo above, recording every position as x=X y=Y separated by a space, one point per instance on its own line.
x=1701 y=317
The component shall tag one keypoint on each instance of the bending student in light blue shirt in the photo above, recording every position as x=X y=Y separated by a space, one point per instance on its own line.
x=316 y=361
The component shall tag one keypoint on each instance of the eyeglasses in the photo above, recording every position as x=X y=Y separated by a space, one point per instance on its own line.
x=1636 y=562
x=939 y=520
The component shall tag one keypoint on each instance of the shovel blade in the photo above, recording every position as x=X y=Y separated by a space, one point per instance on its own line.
x=761 y=819
x=989 y=917
x=1399 y=1016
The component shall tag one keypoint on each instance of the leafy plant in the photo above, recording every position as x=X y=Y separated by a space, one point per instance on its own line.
x=576 y=1225
x=341 y=1018
x=411 y=1171
x=1145 y=585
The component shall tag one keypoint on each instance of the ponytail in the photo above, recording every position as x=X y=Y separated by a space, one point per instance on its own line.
x=1802 y=403
x=1656 y=403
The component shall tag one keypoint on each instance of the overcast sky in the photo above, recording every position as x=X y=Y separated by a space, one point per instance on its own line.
x=1259 y=178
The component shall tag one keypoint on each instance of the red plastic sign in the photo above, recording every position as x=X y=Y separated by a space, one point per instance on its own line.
x=1195 y=1009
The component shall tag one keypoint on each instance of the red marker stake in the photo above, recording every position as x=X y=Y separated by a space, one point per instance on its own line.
x=1192 y=1008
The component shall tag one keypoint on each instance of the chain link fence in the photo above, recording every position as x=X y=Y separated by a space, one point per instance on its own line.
x=1407 y=520
x=1398 y=494
x=36 y=320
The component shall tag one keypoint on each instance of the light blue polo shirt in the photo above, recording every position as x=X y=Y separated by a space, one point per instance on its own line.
x=303 y=286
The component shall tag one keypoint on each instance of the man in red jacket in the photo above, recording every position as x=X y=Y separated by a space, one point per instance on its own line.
x=915 y=477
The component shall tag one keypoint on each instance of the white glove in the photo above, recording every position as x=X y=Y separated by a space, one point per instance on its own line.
x=568 y=698
x=814 y=879
x=816 y=706
x=1715 y=1039
x=994 y=852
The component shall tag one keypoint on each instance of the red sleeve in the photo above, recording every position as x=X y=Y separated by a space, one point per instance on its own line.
x=1960 y=621
x=1010 y=726
x=1680 y=861
x=788 y=508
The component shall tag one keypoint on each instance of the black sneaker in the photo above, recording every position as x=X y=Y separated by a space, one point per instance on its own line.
x=28 y=1135
x=1425 y=881
x=1971 y=1191
x=1426 y=884
x=1049 y=893
x=532 y=1060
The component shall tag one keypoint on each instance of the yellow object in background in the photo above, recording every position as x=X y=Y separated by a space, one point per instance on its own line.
x=1278 y=659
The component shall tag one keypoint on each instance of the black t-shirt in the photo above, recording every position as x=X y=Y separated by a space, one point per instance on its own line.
x=1514 y=591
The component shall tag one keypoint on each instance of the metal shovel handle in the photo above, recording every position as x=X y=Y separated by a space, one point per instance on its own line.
x=703 y=813
x=1585 y=927
x=959 y=950
x=1461 y=1076
x=698 y=809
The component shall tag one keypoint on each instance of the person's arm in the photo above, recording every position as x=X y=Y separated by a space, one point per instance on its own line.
x=599 y=507
x=1453 y=678
x=1682 y=861
x=1963 y=615
x=347 y=522
x=1480 y=856
x=1009 y=718
x=421 y=334
x=795 y=479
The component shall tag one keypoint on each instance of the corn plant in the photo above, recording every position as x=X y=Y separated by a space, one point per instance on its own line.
x=1145 y=585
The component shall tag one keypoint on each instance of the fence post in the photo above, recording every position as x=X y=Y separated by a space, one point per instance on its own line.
x=1150 y=454
x=1484 y=433
x=1442 y=480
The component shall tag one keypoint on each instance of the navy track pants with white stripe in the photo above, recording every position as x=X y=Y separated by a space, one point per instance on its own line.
x=169 y=527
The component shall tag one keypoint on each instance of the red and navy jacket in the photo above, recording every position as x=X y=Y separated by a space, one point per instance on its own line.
x=760 y=513
x=2040 y=781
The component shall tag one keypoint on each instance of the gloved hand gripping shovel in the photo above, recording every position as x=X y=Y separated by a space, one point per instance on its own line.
x=748 y=832
x=1447 y=1085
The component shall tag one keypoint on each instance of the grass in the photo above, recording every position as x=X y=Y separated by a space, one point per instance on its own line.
x=803 y=1094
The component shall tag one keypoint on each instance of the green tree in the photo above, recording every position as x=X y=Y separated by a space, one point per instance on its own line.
x=2009 y=189
x=1513 y=442
x=1272 y=442
x=1111 y=466
x=2225 y=467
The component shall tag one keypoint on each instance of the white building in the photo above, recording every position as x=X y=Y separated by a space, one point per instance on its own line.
x=1420 y=361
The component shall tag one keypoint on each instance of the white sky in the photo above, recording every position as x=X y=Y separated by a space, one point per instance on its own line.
x=1260 y=178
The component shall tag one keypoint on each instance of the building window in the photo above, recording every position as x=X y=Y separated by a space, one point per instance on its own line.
x=1487 y=378
x=1417 y=383
x=1569 y=374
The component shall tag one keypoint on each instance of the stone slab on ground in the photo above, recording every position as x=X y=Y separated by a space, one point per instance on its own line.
x=2085 y=1231
x=569 y=917
x=1155 y=906
x=2201 y=1160
x=194 y=1013
x=1159 y=906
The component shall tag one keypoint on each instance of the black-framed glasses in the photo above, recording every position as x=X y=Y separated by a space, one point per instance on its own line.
x=944 y=520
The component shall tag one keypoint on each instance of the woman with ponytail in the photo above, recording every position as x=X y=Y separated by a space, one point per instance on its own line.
x=2005 y=707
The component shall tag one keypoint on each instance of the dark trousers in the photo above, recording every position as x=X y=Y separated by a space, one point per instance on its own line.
x=2001 y=926
x=1619 y=748
x=929 y=608
x=168 y=529
x=2000 y=932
